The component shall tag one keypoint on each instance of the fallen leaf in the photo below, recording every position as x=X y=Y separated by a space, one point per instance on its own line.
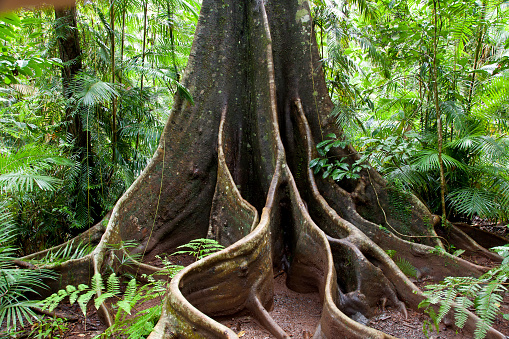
x=241 y=334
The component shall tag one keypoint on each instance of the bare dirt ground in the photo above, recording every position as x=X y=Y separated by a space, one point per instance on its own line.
x=296 y=313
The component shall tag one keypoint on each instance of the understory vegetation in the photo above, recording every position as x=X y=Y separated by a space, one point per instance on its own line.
x=420 y=88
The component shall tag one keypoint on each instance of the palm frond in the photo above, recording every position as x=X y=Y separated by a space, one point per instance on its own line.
x=91 y=91
x=427 y=160
x=475 y=201
x=16 y=284
x=28 y=167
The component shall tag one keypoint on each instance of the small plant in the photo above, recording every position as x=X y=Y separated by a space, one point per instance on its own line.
x=125 y=301
x=48 y=328
x=170 y=268
x=406 y=267
x=429 y=325
x=126 y=257
x=16 y=284
x=450 y=249
x=390 y=253
x=483 y=294
x=64 y=253
x=134 y=295
x=385 y=229
x=337 y=169
x=200 y=248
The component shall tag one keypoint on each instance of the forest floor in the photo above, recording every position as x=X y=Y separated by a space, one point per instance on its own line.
x=296 y=313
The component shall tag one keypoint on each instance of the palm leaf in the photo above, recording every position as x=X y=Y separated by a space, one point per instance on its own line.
x=475 y=201
x=427 y=160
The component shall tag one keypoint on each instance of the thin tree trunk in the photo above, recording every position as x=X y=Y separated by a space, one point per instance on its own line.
x=112 y=62
x=123 y=37
x=438 y=113
x=476 y=56
x=144 y=43
x=145 y=9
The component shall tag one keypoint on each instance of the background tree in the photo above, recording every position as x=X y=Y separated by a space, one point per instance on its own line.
x=68 y=109
x=393 y=116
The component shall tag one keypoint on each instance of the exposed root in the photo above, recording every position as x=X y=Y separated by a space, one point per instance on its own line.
x=55 y=314
x=333 y=223
x=463 y=241
x=260 y=313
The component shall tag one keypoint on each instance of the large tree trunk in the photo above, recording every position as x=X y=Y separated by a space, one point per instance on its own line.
x=236 y=166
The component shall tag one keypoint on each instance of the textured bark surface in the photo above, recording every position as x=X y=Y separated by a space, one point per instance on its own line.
x=235 y=166
x=70 y=53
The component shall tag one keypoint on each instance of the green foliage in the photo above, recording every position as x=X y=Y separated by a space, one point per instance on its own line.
x=390 y=253
x=406 y=267
x=63 y=162
x=483 y=294
x=200 y=248
x=16 y=284
x=17 y=62
x=26 y=169
x=336 y=169
x=124 y=302
x=429 y=325
x=382 y=61
x=48 y=328
x=64 y=253
x=450 y=249
x=170 y=268
x=31 y=181
x=128 y=299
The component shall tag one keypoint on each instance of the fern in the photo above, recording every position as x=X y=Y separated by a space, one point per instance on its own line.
x=83 y=294
x=144 y=321
x=406 y=267
x=485 y=294
x=200 y=248
x=487 y=306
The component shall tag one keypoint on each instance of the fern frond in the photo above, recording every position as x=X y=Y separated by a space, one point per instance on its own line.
x=487 y=306
x=406 y=267
x=84 y=299
x=446 y=304
x=113 y=284
x=129 y=297
x=144 y=323
x=461 y=310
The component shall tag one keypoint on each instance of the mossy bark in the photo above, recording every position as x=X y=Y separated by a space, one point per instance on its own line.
x=235 y=166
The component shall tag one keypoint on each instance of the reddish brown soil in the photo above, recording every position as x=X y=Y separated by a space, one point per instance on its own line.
x=85 y=328
x=296 y=313
x=179 y=259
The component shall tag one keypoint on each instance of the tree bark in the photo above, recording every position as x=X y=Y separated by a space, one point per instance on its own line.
x=70 y=54
x=236 y=166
